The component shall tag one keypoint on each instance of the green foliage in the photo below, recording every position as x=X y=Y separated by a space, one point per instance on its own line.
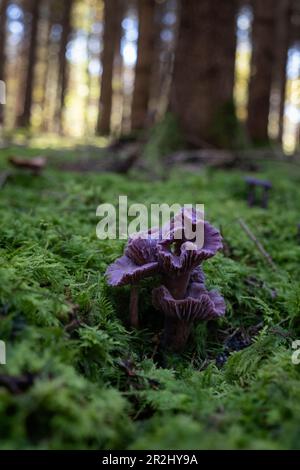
x=90 y=382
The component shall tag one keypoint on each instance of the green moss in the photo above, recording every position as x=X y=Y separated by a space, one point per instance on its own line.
x=82 y=394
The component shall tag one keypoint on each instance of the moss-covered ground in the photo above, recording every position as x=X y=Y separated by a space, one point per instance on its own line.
x=77 y=376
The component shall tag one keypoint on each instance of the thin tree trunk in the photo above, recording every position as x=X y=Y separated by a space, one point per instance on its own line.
x=283 y=42
x=117 y=101
x=263 y=54
x=3 y=8
x=203 y=74
x=25 y=117
x=225 y=41
x=142 y=84
x=47 y=50
x=63 y=66
x=112 y=26
x=157 y=74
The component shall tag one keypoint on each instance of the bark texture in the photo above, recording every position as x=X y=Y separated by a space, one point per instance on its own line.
x=145 y=57
x=283 y=41
x=63 y=66
x=204 y=66
x=263 y=54
x=111 y=43
x=25 y=117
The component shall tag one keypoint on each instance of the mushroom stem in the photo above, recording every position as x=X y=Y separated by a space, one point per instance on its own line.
x=176 y=333
x=134 y=307
x=178 y=286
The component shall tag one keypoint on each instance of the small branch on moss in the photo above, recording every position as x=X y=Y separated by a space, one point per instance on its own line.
x=259 y=246
x=73 y=325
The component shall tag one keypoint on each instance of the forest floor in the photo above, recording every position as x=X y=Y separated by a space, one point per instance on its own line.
x=77 y=376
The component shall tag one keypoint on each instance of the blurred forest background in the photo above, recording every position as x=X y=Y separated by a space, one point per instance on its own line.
x=228 y=72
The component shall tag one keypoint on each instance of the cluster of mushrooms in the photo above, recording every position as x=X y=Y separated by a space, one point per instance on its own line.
x=182 y=296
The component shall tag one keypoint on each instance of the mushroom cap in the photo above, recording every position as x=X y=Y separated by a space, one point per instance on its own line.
x=124 y=271
x=199 y=303
x=187 y=255
x=187 y=219
x=138 y=262
x=141 y=250
x=258 y=182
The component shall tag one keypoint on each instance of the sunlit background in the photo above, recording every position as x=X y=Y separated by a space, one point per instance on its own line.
x=84 y=52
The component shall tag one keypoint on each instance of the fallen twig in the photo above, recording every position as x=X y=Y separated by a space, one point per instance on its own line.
x=257 y=243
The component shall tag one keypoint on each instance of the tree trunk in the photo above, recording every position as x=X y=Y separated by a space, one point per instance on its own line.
x=283 y=41
x=25 y=117
x=263 y=54
x=118 y=68
x=225 y=52
x=203 y=74
x=112 y=34
x=3 y=8
x=163 y=57
x=63 y=66
x=145 y=56
x=47 y=66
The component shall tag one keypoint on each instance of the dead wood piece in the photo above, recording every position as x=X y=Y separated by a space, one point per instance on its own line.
x=121 y=142
x=36 y=164
x=121 y=162
x=210 y=157
x=215 y=158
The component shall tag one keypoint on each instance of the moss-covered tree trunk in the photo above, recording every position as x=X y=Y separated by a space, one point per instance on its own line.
x=3 y=7
x=263 y=54
x=142 y=84
x=203 y=75
x=112 y=34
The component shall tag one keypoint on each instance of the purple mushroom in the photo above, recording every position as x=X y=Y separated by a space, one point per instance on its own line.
x=180 y=314
x=182 y=296
x=138 y=262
